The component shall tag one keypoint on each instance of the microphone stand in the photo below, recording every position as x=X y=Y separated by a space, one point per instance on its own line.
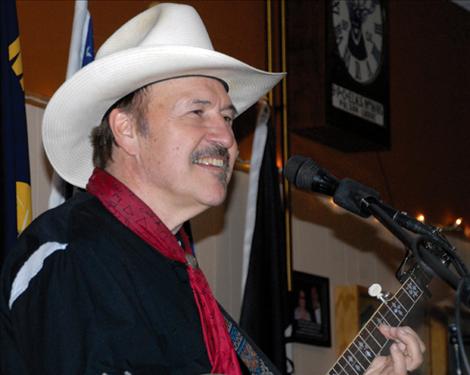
x=455 y=348
x=428 y=250
x=431 y=251
x=433 y=255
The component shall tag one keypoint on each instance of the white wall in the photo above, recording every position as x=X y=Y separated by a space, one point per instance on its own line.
x=41 y=171
x=327 y=242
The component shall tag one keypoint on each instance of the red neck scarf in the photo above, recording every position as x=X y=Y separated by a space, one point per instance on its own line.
x=139 y=218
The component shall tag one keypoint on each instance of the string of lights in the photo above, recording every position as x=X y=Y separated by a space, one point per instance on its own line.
x=457 y=226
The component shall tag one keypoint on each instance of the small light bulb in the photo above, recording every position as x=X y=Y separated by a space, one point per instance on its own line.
x=420 y=217
x=458 y=221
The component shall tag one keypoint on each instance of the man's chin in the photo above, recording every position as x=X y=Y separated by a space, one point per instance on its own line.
x=216 y=199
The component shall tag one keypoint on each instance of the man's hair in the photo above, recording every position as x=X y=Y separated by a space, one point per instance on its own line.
x=102 y=138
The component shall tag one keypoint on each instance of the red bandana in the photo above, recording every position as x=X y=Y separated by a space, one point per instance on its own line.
x=138 y=217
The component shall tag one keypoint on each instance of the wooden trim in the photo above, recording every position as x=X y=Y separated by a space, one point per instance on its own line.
x=36 y=100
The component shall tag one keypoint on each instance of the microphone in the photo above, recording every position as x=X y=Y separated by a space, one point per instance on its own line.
x=351 y=195
x=303 y=173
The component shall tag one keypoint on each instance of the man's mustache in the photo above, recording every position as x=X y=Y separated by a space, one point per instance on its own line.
x=214 y=151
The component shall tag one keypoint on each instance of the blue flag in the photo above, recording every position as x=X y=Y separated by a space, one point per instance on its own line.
x=15 y=181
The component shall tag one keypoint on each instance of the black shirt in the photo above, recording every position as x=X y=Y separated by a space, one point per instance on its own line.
x=82 y=294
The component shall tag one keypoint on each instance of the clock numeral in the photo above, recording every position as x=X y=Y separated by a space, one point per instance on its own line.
x=376 y=53
x=335 y=6
x=378 y=28
x=338 y=34
x=369 y=70
x=347 y=56
x=358 y=70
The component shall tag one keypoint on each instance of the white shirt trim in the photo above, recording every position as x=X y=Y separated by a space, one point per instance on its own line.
x=31 y=268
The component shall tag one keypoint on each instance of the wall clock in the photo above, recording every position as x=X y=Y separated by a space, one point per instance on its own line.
x=357 y=75
x=358 y=30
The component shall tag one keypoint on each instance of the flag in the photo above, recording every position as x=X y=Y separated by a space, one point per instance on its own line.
x=15 y=185
x=81 y=53
x=264 y=307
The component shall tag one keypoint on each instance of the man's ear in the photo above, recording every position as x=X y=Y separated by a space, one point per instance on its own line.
x=124 y=130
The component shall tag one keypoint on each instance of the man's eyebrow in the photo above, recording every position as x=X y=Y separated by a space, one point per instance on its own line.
x=229 y=107
x=201 y=101
x=232 y=108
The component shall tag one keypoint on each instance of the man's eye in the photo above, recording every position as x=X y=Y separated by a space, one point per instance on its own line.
x=198 y=112
x=228 y=119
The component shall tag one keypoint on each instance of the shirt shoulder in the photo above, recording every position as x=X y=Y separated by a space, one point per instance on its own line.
x=52 y=237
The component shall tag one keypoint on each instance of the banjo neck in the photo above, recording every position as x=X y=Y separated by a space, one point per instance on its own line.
x=369 y=342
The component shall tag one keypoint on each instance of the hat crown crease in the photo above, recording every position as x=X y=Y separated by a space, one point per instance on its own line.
x=159 y=26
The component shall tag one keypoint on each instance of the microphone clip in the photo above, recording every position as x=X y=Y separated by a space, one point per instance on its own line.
x=353 y=196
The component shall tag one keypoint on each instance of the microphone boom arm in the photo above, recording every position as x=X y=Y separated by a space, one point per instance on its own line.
x=433 y=262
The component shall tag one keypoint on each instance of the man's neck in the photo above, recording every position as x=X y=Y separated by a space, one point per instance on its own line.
x=171 y=214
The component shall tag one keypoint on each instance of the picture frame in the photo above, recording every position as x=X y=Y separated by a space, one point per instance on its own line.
x=309 y=310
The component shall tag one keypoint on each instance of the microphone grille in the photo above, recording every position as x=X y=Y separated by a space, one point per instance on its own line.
x=300 y=171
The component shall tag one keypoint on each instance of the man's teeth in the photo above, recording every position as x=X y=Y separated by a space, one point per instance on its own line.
x=211 y=162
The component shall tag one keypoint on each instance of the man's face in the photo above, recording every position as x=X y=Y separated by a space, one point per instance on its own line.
x=188 y=152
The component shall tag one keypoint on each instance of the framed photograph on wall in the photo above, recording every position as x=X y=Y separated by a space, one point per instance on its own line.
x=310 y=309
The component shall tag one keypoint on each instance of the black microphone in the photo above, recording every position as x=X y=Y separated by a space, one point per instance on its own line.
x=351 y=195
x=303 y=173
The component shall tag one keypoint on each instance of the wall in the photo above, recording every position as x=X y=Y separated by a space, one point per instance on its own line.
x=45 y=27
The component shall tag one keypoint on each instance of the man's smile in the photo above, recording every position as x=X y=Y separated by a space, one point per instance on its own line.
x=211 y=162
x=215 y=156
x=212 y=156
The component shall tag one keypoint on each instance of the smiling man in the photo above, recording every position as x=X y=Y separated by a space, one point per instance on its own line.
x=107 y=282
x=180 y=158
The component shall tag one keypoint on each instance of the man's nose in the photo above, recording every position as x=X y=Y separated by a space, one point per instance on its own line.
x=221 y=132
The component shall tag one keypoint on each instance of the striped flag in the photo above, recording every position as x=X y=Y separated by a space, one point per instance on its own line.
x=15 y=186
x=81 y=52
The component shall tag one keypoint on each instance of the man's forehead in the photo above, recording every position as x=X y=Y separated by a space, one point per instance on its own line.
x=193 y=89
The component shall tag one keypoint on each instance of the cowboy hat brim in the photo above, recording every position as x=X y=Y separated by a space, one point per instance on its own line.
x=81 y=102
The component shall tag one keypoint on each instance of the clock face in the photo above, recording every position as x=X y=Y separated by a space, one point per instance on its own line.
x=358 y=29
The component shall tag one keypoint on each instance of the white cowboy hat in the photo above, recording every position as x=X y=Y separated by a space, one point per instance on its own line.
x=165 y=41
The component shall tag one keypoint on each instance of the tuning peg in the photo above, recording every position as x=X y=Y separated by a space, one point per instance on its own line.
x=375 y=291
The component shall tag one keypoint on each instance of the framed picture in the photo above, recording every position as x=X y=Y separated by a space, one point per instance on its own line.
x=310 y=309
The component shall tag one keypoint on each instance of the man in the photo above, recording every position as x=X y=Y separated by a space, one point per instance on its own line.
x=106 y=283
